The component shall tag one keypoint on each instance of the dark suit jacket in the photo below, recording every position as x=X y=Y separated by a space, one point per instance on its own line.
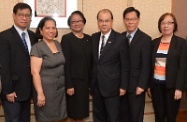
x=140 y=61
x=74 y=52
x=112 y=68
x=175 y=64
x=15 y=64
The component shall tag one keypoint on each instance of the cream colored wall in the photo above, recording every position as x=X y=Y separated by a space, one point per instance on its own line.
x=6 y=13
x=150 y=12
x=91 y=8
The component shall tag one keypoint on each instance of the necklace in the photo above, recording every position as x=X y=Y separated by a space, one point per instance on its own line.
x=79 y=36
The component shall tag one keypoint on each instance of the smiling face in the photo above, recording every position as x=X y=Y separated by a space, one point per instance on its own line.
x=76 y=23
x=131 y=21
x=104 y=21
x=167 y=25
x=49 y=30
x=22 y=18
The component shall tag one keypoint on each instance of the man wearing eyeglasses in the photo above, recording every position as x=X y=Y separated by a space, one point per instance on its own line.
x=15 y=45
x=140 y=67
x=110 y=69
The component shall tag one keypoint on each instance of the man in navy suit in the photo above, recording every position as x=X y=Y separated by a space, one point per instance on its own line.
x=140 y=66
x=15 y=45
x=110 y=69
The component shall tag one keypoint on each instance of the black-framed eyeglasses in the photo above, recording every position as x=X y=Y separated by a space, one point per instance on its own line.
x=104 y=21
x=167 y=23
x=130 y=19
x=24 y=15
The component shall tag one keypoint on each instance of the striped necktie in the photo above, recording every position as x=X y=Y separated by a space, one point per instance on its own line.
x=129 y=36
x=24 y=41
x=102 y=44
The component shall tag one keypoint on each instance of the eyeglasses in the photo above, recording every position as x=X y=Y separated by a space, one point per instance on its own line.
x=104 y=21
x=167 y=23
x=78 y=21
x=24 y=15
x=130 y=19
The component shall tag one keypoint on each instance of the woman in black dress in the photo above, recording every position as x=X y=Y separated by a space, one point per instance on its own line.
x=76 y=47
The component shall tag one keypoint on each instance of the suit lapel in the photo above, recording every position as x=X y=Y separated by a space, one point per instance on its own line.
x=32 y=39
x=109 y=42
x=96 y=40
x=157 y=43
x=171 y=47
x=135 y=38
x=126 y=39
x=16 y=37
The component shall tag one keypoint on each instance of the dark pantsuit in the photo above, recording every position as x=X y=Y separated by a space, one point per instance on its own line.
x=166 y=108
x=136 y=104
x=105 y=109
x=124 y=114
x=17 y=111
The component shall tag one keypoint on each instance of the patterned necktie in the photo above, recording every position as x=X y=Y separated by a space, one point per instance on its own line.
x=102 y=44
x=24 y=41
x=129 y=36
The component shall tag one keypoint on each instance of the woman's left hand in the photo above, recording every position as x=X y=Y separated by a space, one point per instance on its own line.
x=178 y=94
x=41 y=100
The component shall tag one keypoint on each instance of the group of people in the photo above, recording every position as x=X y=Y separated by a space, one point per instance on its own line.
x=117 y=69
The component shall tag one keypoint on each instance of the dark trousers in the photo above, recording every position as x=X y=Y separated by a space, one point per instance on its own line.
x=17 y=111
x=137 y=105
x=105 y=109
x=124 y=113
x=164 y=104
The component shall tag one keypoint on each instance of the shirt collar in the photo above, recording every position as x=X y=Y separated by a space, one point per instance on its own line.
x=20 y=31
x=106 y=35
x=132 y=34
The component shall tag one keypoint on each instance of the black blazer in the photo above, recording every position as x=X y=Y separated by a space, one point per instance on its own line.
x=75 y=51
x=175 y=64
x=111 y=70
x=140 y=61
x=15 y=64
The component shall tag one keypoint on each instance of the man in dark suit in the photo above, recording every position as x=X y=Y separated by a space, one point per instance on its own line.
x=110 y=69
x=15 y=45
x=140 y=64
x=0 y=81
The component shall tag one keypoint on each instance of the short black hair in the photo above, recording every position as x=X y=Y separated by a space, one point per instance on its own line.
x=162 y=18
x=21 y=6
x=131 y=9
x=79 y=13
x=41 y=25
x=105 y=11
